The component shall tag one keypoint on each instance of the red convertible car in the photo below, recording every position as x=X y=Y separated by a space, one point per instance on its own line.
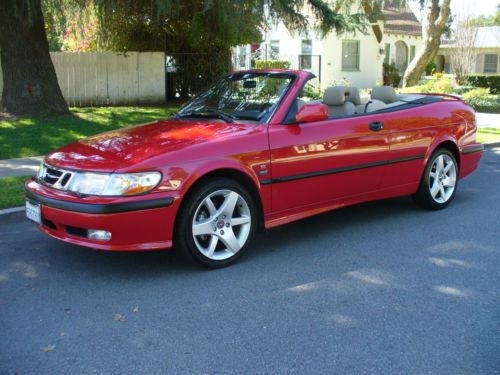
x=251 y=152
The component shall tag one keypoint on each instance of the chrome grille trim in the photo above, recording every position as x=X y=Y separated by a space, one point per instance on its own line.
x=55 y=177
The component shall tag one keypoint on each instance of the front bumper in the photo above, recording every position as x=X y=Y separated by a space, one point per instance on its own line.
x=136 y=223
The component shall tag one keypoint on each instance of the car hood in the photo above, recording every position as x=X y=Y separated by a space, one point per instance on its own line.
x=123 y=149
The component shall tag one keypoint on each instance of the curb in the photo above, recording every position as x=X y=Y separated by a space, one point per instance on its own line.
x=491 y=144
x=6 y=211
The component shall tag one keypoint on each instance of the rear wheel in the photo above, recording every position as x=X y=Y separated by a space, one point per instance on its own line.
x=216 y=223
x=439 y=182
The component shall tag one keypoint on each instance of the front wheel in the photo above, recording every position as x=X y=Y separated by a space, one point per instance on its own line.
x=216 y=223
x=439 y=182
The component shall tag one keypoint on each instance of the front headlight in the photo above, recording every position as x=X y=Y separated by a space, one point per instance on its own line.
x=114 y=184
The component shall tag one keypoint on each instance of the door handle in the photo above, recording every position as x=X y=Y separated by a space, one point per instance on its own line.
x=376 y=126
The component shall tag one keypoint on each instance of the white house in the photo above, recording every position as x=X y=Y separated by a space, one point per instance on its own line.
x=356 y=58
x=486 y=52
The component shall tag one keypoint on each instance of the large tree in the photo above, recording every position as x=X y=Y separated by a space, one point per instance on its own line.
x=435 y=17
x=29 y=79
x=30 y=83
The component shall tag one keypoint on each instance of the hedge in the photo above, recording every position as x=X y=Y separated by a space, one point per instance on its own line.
x=483 y=80
x=272 y=64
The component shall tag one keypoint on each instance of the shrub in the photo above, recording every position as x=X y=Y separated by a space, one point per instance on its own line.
x=430 y=68
x=312 y=91
x=272 y=64
x=482 y=80
x=439 y=85
x=482 y=101
x=391 y=75
x=477 y=94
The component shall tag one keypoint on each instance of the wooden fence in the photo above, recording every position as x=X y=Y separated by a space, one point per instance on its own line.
x=109 y=78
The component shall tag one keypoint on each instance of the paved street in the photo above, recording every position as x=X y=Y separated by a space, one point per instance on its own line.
x=379 y=288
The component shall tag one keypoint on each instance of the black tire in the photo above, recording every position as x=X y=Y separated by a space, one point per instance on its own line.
x=184 y=240
x=423 y=196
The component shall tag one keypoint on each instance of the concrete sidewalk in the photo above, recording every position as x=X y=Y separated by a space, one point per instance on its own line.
x=20 y=166
x=488 y=120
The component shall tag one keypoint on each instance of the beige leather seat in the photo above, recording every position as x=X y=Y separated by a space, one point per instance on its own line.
x=380 y=97
x=335 y=99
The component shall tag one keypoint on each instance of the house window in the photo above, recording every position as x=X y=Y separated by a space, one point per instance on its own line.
x=306 y=52
x=350 y=55
x=243 y=57
x=412 y=53
x=490 y=63
x=275 y=48
x=387 y=51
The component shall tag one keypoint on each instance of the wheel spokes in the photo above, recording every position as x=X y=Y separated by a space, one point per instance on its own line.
x=240 y=220
x=439 y=164
x=230 y=240
x=211 y=247
x=435 y=188
x=210 y=206
x=229 y=203
x=205 y=227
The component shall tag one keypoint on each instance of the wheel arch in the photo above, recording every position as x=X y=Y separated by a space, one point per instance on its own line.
x=235 y=174
x=448 y=143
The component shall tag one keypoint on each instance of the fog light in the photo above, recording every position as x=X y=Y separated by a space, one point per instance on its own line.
x=96 y=234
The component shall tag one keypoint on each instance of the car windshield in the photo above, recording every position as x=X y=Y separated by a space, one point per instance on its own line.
x=240 y=96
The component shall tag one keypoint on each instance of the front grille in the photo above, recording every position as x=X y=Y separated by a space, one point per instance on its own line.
x=55 y=177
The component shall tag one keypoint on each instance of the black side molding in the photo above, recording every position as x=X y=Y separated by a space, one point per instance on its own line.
x=90 y=208
x=340 y=170
x=478 y=148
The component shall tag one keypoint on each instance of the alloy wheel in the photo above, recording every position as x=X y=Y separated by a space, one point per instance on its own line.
x=442 y=178
x=221 y=224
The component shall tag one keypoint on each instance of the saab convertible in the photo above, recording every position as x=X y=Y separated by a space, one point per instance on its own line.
x=251 y=152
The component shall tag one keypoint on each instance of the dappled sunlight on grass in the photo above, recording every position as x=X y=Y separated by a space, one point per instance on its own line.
x=36 y=136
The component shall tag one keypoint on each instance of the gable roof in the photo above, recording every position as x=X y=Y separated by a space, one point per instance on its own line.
x=487 y=37
x=400 y=20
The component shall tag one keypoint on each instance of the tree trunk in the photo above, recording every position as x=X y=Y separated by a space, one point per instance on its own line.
x=434 y=21
x=29 y=78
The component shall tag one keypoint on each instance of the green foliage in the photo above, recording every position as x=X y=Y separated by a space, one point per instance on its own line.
x=12 y=191
x=187 y=25
x=391 y=75
x=482 y=100
x=312 y=90
x=272 y=64
x=430 y=69
x=32 y=136
x=482 y=80
x=440 y=85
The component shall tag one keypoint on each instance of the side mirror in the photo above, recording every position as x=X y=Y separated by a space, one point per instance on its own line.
x=312 y=113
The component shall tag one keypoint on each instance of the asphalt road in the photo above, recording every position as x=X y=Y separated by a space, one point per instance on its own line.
x=379 y=288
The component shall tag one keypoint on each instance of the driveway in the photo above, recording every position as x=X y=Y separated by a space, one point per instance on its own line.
x=379 y=288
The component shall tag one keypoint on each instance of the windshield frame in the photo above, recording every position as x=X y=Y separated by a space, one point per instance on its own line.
x=231 y=76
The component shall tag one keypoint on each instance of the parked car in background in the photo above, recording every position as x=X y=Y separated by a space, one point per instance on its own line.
x=251 y=152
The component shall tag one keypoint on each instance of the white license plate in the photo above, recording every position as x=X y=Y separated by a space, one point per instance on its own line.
x=33 y=212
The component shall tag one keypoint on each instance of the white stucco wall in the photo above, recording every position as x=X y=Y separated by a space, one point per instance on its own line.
x=330 y=50
x=409 y=40
x=478 y=61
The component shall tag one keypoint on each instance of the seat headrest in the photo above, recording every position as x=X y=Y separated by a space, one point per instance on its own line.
x=386 y=94
x=334 y=95
x=352 y=95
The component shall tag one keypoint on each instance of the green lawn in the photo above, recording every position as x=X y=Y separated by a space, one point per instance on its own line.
x=488 y=135
x=37 y=136
x=12 y=191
